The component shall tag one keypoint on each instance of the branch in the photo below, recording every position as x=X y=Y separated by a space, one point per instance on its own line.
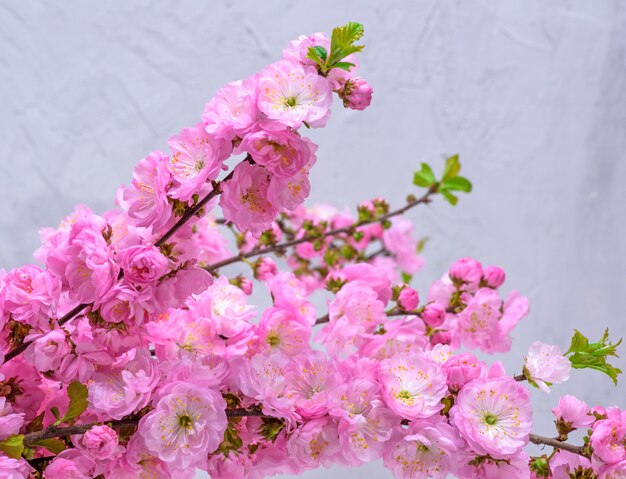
x=51 y=432
x=217 y=189
x=348 y=229
x=326 y=317
x=548 y=441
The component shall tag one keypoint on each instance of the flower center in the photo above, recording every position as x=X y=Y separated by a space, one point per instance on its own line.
x=184 y=421
x=291 y=101
x=273 y=340
x=490 y=419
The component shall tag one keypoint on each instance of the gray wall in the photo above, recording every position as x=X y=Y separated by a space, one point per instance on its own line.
x=530 y=93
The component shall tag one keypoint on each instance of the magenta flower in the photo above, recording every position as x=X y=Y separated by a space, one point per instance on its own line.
x=607 y=440
x=187 y=423
x=142 y=264
x=100 y=443
x=292 y=95
x=494 y=416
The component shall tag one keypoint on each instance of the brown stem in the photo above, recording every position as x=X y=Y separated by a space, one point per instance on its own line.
x=52 y=432
x=217 y=189
x=348 y=229
x=326 y=318
x=548 y=441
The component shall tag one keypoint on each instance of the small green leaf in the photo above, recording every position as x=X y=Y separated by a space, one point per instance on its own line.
x=318 y=54
x=424 y=177
x=452 y=168
x=342 y=42
x=586 y=355
x=13 y=446
x=458 y=183
x=347 y=66
x=450 y=198
x=421 y=243
x=53 y=445
x=321 y=52
x=55 y=412
x=77 y=393
x=406 y=277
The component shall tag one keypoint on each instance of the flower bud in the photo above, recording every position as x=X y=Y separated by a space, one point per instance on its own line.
x=466 y=270
x=356 y=94
x=408 y=299
x=434 y=314
x=441 y=337
x=335 y=281
x=100 y=442
x=493 y=276
x=264 y=268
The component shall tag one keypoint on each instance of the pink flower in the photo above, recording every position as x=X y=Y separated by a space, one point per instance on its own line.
x=293 y=94
x=101 y=443
x=142 y=264
x=574 y=412
x=146 y=199
x=30 y=295
x=408 y=299
x=546 y=365
x=10 y=423
x=413 y=386
x=514 y=467
x=84 y=261
x=564 y=463
x=400 y=241
x=232 y=111
x=463 y=368
x=356 y=94
x=607 y=440
x=265 y=268
x=125 y=304
x=466 y=270
x=22 y=388
x=244 y=200
x=402 y=336
x=70 y=464
x=494 y=416
x=365 y=424
x=315 y=443
x=197 y=157
x=283 y=152
x=613 y=471
x=434 y=315
x=119 y=391
x=47 y=350
x=138 y=462
x=493 y=276
x=187 y=423
x=280 y=330
x=16 y=469
x=289 y=193
x=428 y=448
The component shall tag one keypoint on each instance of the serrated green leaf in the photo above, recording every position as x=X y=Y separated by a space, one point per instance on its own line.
x=13 y=446
x=586 y=355
x=424 y=177
x=77 y=393
x=450 y=198
x=458 y=183
x=452 y=168
x=342 y=42
x=53 y=445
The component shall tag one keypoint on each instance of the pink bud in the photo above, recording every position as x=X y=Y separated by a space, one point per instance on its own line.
x=573 y=411
x=265 y=268
x=461 y=369
x=441 y=337
x=246 y=286
x=434 y=314
x=408 y=299
x=467 y=270
x=494 y=276
x=100 y=442
x=356 y=94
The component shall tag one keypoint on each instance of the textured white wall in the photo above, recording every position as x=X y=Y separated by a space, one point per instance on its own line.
x=530 y=93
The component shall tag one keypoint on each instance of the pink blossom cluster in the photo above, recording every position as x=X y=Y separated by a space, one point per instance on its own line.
x=179 y=371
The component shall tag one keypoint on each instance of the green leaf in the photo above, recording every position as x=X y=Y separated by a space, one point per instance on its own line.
x=347 y=66
x=406 y=277
x=318 y=54
x=13 y=446
x=77 y=393
x=424 y=177
x=450 y=198
x=421 y=243
x=458 y=183
x=342 y=42
x=452 y=168
x=53 y=445
x=586 y=355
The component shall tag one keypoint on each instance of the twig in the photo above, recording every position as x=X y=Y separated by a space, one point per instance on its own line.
x=548 y=441
x=348 y=229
